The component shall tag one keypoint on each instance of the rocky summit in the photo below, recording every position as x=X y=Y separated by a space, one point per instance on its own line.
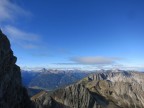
x=12 y=93
x=108 y=89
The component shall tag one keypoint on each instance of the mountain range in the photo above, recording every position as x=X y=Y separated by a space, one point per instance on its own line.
x=102 y=89
x=122 y=89
x=48 y=80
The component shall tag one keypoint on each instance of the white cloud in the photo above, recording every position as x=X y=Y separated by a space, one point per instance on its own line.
x=98 y=66
x=95 y=60
x=130 y=67
x=10 y=11
x=21 y=38
x=17 y=34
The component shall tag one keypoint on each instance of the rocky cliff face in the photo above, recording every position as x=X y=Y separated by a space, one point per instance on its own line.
x=12 y=93
x=109 y=89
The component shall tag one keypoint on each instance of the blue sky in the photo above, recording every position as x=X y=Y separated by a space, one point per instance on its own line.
x=75 y=33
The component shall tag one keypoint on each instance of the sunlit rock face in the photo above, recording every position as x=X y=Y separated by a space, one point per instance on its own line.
x=12 y=93
x=123 y=89
x=108 y=89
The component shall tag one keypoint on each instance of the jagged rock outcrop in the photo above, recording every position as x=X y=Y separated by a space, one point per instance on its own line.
x=120 y=89
x=12 y=93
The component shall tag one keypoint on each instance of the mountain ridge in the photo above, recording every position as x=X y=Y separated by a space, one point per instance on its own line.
x=100 y=90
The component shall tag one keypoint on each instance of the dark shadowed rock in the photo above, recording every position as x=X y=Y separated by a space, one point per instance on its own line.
x=12 y=93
